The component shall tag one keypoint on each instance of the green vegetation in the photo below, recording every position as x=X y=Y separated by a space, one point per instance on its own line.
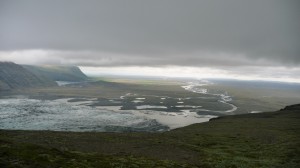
x=28 y=155
x=251 y=140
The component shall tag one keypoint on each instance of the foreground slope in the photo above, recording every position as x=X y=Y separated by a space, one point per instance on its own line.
x=270 y=139
x=58 y=73
x=15 y=76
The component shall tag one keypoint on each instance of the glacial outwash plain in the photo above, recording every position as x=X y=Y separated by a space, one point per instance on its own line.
x=144 y=122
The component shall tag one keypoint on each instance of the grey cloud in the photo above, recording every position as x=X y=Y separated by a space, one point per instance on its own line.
x=96 y=58
x=153 y=33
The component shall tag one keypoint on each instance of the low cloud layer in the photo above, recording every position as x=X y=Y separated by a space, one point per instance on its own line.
x=243 y=73
x=206 y=66
x=97 y=58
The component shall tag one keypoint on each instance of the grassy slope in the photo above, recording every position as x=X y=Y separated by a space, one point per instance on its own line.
x=15 y=76
x=252 y=140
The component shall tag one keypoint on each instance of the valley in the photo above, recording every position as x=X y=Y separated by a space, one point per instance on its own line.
x=126 y=105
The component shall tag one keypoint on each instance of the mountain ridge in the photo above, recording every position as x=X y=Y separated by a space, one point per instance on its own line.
x=15 y=76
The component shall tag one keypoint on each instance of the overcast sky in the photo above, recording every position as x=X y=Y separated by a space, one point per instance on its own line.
x=235 y=37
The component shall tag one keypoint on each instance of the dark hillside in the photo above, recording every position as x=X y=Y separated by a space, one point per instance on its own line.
x=58 y=73
x=15 y=76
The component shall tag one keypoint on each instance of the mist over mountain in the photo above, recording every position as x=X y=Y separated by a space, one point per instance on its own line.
x=57 y=73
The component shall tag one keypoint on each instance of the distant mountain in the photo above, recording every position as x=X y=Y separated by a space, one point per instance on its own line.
x=15 y=76
x=58 y=73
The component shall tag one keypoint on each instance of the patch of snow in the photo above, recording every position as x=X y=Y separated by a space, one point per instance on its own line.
x=137 y=101
x=140 y=98
x=255 y=111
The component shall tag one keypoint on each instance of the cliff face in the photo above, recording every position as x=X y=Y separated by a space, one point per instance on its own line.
x=15 y=76
x=58 y=73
